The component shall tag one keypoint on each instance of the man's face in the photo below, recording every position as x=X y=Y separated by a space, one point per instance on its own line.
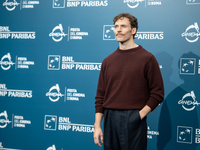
x=123 y=31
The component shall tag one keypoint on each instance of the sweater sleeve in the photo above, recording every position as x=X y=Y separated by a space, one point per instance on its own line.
x=100 y=92
x=155 y=83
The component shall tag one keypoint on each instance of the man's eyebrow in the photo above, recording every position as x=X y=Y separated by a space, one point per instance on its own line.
x=120 y=24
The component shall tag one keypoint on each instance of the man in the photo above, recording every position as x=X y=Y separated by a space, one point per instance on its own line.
x=130 y=86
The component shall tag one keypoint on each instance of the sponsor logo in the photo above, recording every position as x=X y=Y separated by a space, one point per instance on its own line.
x=79 y=3
x=158 y=35
x=54 y=93
x=70 y=94
x=188 y=101
x=108 y=32
x=5 y=33
x=14 y=93
x=17 y=120
x=4 y=121
x=192 y=33
x=86 y=3
x=68 y=63
x=64 y=124
x=11 y=5
x=6 y=62
x=184 y=134
x=150 y=133
x=58 y=34
x=20 y=62
x=192 y=2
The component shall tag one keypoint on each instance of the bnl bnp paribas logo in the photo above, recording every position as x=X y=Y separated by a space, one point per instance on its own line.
x=58 y=33
x=55 y=94
x=53 y=123
x=136 y=3
x=192 y=2
x=10 y=5
x=108 y=34
x=5 y=92
x=191 y=33
x=6 y=33
x=20 y=62
x=79 y=3
x=68 y=63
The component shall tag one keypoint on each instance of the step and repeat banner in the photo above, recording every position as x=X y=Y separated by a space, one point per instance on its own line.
x=50 y=58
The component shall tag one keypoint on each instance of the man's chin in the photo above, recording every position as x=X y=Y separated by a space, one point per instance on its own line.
x=119 y=40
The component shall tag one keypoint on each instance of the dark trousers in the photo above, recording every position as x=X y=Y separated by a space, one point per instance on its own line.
x=124 y=130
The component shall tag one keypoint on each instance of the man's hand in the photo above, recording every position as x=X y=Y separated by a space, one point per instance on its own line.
x=98 y=136
x=144 y=111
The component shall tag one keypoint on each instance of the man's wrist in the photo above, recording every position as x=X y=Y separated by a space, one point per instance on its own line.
x=97 y=125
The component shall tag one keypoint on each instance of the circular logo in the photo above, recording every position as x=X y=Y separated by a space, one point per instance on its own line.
x=188 y=101
x=4 y=119
x=10 y=6
x=6 y=62
x=54 y=93
x=192 y=33
x=57 y=33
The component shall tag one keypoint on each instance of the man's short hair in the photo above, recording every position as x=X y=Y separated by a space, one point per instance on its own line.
x=132 y=19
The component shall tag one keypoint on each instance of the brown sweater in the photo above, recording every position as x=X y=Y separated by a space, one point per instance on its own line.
x=129 y=79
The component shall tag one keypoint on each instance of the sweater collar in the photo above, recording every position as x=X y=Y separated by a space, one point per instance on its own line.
x=129 y=50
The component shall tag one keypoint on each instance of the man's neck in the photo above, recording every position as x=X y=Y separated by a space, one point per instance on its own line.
x=127 y=45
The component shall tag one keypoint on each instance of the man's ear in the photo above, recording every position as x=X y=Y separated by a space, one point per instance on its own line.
x=133 y=30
